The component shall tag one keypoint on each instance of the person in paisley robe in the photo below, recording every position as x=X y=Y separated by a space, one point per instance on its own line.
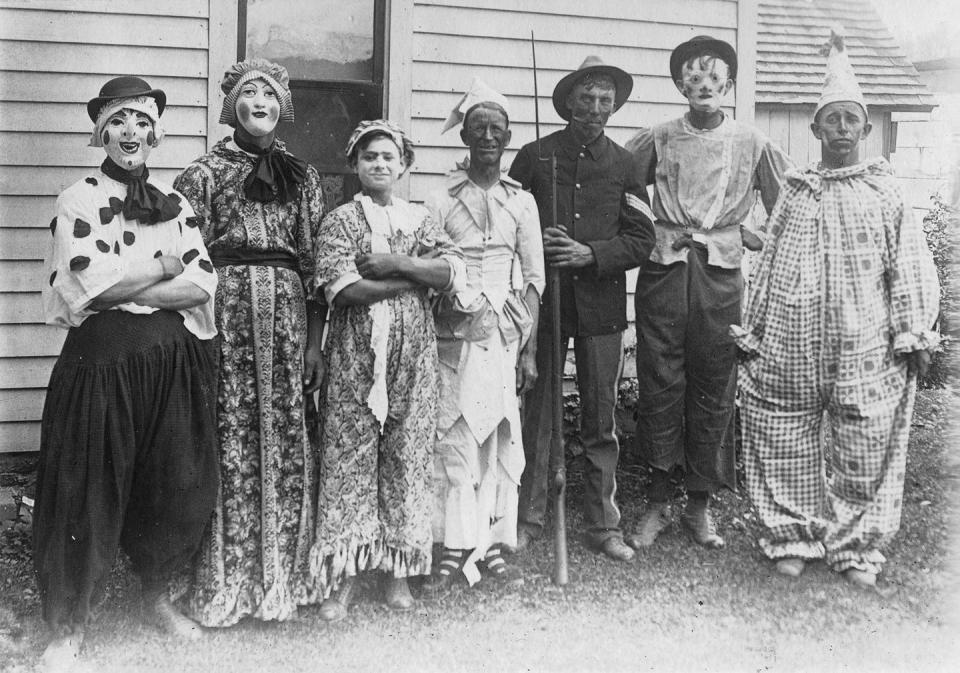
x=259 y=208
x=377 y=261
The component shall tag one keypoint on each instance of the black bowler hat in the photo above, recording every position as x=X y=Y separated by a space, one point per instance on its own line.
x=126 y=86
x=698 y=45
x=592 y=64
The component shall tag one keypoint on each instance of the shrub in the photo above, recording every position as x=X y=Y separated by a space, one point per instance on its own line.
x=940 y=226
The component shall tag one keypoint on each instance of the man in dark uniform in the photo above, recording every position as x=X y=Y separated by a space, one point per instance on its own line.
x=604 y=227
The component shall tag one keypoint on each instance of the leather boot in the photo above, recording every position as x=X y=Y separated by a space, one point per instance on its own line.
x=397 y=594
x=334 y=608
x=654 y=521
x=696 y=518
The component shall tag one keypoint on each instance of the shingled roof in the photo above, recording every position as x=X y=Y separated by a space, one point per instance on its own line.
x=790 y=69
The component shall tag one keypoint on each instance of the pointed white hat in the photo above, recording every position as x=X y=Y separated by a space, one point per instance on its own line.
x=479 y=92
x=841 y=82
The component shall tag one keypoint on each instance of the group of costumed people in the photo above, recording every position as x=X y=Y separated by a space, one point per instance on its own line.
x=180 y=424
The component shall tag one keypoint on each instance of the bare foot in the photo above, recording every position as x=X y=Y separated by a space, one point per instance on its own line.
x=62 y=654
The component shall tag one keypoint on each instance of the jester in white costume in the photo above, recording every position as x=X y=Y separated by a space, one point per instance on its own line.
x=838 y=326
x=487 y=358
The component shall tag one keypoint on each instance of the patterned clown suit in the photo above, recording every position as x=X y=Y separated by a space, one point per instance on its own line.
x=845 y=286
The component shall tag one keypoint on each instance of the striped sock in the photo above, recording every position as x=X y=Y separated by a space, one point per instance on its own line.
x=494 y=561
x=451 y=560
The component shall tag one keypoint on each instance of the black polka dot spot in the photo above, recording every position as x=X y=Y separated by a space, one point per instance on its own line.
x=53 y=226
x=116 y=205
x=103 y=246
x=190 y=255
x=158 y=253
x=180 y=227
x=106 y=214
x=91 y=181
x=81 y=229
x=128 y=238
x=191 y=221
x=116 y=247
x=79 y=263
x=205 y=265
x=52 y=278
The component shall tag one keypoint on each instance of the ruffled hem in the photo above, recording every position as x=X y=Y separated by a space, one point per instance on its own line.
x=868 y=560
x=226 y=608
x=908 y=342
x=746 y=341
x=330 y=564
x=808 y=550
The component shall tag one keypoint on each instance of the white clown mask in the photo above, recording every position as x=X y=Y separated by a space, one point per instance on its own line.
x=128 y=129
x=258 y=108
x=128 y=137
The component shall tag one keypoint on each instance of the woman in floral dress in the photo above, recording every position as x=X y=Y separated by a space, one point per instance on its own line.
x=377 y=259
x=258 y=208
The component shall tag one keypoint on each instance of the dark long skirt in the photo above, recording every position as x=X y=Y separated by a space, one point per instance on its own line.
x=127 y=457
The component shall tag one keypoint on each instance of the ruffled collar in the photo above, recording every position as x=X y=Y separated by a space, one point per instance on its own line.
x=814 y=174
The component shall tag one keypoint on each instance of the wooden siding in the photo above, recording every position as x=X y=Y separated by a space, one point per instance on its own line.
x=789 y=127
x=56 y=55
x=456 y=40
x=790 y=69
x=58 y=52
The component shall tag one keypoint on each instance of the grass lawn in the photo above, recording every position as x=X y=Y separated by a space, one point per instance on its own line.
x=675 y=608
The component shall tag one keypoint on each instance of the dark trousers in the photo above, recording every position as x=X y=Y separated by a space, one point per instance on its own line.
x=687 y=368
x=599 y=364
x=127 y=458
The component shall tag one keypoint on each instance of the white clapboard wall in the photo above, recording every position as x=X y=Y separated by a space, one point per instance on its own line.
x=456 y=40
x=55 y=55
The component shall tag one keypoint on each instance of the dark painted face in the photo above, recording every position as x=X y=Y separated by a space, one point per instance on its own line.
x=590 y=108
x=840 y=127
x=486 y=133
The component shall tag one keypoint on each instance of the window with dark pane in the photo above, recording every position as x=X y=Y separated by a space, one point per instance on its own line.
x=334 y=52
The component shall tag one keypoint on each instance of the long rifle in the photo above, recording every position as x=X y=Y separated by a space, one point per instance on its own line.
x=558 y=468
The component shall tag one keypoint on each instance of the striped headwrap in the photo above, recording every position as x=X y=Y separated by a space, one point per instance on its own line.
x=255 y=68
x=377 y=125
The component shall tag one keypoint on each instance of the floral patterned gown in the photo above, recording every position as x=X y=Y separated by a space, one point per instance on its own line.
x=375 y=492
x=255 y=561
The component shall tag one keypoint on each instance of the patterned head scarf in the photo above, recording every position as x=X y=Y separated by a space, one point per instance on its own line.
x=145 y=104
x=365 y=128
x=240 y=73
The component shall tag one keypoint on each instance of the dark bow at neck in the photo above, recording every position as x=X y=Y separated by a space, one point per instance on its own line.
x=144 y=202
x=276 y=174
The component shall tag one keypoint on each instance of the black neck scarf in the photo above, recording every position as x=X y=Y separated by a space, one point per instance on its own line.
x=276 y=174
x=144 y=202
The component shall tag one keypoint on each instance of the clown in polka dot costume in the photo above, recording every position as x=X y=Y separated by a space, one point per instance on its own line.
x=128 y=444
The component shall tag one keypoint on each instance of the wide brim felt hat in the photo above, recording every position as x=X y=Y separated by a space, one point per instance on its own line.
x=697 y=45
x=124 y=87
x=592 y=64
